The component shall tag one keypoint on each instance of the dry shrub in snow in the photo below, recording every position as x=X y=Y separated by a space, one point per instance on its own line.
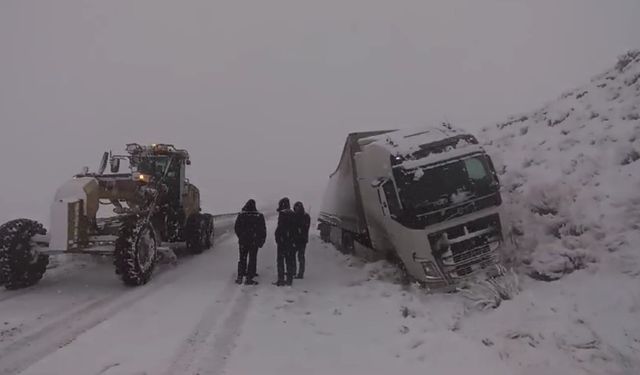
x=489 y=293
x=626 y=59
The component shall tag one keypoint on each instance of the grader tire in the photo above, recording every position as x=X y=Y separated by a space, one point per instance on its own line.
x=136 y=252
x=20 y=265
x=198 y=233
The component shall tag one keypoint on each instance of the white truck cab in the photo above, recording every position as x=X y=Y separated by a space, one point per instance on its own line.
x=428 y=197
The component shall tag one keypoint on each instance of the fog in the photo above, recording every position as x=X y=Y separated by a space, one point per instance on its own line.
x=263 y=93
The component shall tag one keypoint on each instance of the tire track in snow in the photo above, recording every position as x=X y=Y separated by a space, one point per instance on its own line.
x=209 y=355
x=225 y=341
x=30 y=348
x=45 y=284
x=218 y=339
x=193 y=346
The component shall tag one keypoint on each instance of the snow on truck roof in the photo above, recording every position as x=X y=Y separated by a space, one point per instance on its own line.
x=426 y=145
x=400 y=136
x=405 y=140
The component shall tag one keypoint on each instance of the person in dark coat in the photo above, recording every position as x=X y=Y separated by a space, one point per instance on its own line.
x=303 y=222
x=251 y=230
x=285 y=234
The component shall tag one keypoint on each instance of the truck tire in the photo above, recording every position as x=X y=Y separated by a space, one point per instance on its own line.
x=403 y=278
x=20 y=265
x=136 y=252
x=348 y=244
x=325 y=232
x=198 y=232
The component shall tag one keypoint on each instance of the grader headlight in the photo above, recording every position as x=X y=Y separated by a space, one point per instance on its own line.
x=141 y=177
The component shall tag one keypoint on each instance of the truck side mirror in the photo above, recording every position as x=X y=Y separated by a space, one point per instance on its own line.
x=378 y=181
x=115 y=165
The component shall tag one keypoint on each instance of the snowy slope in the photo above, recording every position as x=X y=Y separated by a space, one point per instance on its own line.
x=571 y=176
x=571 y=180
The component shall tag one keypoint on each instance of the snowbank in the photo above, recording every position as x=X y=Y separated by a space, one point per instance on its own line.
x=571 y=177
x=571 y=184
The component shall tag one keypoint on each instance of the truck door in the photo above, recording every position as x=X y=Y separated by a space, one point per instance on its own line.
x=384 y=205
x=389 y=202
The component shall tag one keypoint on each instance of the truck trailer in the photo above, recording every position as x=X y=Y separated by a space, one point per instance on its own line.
x=428 y=198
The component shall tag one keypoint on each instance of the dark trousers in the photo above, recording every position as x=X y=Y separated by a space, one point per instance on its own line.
x=247 y=270
x=286 y=259
x=299 y=251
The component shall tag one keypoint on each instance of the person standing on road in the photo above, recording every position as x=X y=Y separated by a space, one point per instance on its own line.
x=285 y=234
x=303 y=221
x=251 y=230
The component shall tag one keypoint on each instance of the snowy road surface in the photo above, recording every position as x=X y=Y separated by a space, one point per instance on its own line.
x=193 y=319
x=346 y=317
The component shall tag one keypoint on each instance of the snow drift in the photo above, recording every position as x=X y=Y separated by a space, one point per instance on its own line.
x=570 y=173
x=571 y=177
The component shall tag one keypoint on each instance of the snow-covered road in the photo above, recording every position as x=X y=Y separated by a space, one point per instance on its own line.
x=85 y=322
x=345 y=317
x=193 y=319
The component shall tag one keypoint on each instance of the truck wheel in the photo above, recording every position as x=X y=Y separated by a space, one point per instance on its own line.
x=348 y=244
x=325 y=233
x=404 y=278
x=136 y=252
x=403 y=275
x=198 y=233
x=20 y=265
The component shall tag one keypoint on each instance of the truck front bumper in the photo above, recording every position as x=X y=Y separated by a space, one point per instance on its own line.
x=454 y=269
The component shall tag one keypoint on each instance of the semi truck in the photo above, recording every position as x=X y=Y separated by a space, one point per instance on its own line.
x=427 y=198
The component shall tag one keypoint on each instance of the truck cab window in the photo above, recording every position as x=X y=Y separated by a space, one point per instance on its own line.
x=392 y=199
x=475 y=169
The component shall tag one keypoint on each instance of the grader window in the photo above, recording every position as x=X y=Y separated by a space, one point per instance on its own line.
x=153 y=166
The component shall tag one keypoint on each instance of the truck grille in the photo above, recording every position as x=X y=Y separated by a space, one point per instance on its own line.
x=470 y=245
x=464 y=209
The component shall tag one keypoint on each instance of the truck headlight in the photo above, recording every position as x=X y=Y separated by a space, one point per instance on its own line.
x=430 y=270
x=441 y=246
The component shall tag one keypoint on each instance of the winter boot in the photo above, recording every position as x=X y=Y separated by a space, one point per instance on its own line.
x=279 y=283
x=250 y=282
x=239 y=280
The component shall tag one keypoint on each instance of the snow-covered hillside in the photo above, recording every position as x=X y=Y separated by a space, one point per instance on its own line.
x=571 y=176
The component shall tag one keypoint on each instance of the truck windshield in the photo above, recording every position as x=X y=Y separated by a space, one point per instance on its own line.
x=427 y=189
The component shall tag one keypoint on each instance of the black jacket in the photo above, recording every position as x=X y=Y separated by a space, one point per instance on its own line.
x=303 y=222
x=287 y=228
x=250 y=226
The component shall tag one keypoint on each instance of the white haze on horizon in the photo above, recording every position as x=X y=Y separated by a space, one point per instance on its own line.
x=263 y=93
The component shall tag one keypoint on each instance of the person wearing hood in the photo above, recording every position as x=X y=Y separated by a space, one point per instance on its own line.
x=285 y=235
x=303 y=222
x=251 y=230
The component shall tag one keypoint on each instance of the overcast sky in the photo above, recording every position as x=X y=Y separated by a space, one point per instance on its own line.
x=263 y=93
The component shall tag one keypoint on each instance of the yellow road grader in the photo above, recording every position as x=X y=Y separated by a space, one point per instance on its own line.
x=153 y=208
